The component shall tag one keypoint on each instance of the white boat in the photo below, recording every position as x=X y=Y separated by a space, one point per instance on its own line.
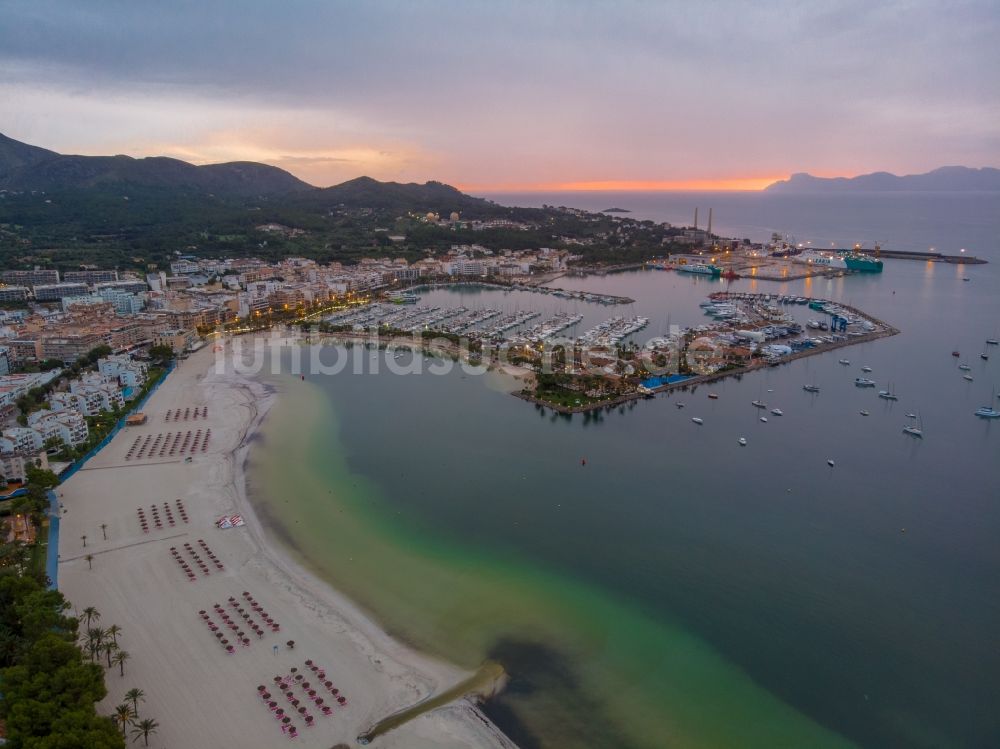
x=764 y=419
x=913 y=431
x=888 y=395
x=845 y=362
x=830 y=462
x=864 y=412
x=697 y=421
x=758 y=404
x=988 y=413
x=777 y=412
x=992 y=342
x=911 y=416
x=811 y=388
x=864 y=382
x=964 y=367
x=967 y=377
x=743 y=441
x=679 y=405
x=866 y=369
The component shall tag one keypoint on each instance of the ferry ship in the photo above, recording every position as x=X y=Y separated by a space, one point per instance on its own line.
x=842 y=260
x=700 y=268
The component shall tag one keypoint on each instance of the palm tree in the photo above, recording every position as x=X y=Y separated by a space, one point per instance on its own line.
x=90 y=614
x=95 y=641
x=119 y=660
x=144 y=728
x=104 y=530
x=135 y=696
x=123 y=716
x=113 y=631
x=84 y=539
x=109 y=648
x=90 y=561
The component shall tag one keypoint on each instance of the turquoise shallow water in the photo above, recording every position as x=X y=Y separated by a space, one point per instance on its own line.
x=680 y=590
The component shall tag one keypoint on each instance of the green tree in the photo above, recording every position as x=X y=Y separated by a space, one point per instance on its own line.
x=161 y=353
x=113 y=631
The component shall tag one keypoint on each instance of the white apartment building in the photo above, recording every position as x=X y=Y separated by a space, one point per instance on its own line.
x=124 y=370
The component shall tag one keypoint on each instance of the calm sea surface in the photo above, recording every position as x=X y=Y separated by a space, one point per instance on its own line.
x=680 y=590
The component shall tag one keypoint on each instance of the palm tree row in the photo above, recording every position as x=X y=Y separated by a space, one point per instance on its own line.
x=98 y=641
x=127 y=715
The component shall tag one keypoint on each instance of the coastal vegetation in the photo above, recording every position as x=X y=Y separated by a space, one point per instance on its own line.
x=49 y=688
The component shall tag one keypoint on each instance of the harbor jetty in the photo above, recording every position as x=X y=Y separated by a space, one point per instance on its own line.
x=744 y=322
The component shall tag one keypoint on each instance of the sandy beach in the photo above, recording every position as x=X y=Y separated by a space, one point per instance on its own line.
x=201 y=695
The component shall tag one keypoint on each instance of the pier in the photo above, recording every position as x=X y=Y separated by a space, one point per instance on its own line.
x=934 y=257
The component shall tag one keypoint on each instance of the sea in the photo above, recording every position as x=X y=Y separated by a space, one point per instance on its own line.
x=648 y=582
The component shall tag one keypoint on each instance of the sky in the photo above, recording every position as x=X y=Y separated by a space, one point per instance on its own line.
x=494 y=95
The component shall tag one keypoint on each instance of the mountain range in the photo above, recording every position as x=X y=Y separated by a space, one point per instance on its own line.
x=945 y=179
x=26 y=168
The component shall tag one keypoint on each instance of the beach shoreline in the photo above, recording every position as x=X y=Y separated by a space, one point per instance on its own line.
x=187 y=677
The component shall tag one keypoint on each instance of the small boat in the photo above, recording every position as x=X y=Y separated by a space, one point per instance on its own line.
x=811 y=388
x=758 y=404
x=988 y=413
x=845 y=362
x=777 y=412
x=967 y=377
x=984 y=356
x=964 y=367
x=864 y=382
x=764 y=419
x=770 y=390
x=830 y=462
x=679 y=405
x=697 y=421
x=713 y=396
x=866 y=369
x=888 y=395
x=864 y=412
x=915 y=429
x=743 y=441
x=992 y=342
x=911 y=416
x=955 y=353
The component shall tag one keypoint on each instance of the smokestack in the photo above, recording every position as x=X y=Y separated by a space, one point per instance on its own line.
x=695 y=218
x=709 y=220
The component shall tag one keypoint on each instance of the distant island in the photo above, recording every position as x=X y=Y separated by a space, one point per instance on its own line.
x=616 y=210
x=945 y=179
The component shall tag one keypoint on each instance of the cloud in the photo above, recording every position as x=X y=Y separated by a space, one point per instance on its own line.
x=514 y=92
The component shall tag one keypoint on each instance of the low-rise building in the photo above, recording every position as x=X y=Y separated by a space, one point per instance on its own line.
x=69 y=425
x=178 y=340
